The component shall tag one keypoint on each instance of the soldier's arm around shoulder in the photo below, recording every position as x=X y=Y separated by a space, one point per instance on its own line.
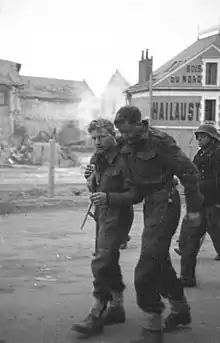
x=131 y=194
x=175 y=160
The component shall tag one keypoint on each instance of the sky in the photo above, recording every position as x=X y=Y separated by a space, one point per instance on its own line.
x=90 y=39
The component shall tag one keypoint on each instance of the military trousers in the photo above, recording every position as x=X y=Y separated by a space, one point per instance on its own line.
x=190 y=237
x=105 y=265
x=154 y=273
x=125 y=224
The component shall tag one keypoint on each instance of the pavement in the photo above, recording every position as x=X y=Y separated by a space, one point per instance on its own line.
x=46 y=282
x=25 y=188
x=34 y=176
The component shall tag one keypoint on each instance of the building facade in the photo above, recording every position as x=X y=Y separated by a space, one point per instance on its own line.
x=33 y=108
x=183 y=93
x=10 y=83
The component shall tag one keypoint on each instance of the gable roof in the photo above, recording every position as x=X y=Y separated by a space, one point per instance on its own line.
x=116 y=80
x=179 y=60
x=116 y=77
x=53 y=89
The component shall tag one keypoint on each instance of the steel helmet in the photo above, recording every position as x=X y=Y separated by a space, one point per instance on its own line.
x=209 y=129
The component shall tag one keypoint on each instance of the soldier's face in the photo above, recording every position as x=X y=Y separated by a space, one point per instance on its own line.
x=131 y=133
x=203 y=139
x=102 y=140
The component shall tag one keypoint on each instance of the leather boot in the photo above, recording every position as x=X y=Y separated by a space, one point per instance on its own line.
x=115 y=313
x=180 y=315
x=177 y=250
x=124 y=246
x=151 y=329
x=93 y=324
x=217 y=257
x=188 y=282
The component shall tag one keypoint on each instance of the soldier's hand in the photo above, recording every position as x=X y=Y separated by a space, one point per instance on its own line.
x=98 y=198
x=89 y=170
x=193 y=218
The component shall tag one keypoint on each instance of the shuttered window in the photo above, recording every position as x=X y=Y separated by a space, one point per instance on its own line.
x=211 y=73
x=210 y=108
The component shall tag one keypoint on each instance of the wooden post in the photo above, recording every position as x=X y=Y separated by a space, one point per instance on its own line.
x=150 y=97
x=11 y=109
x=51 y=172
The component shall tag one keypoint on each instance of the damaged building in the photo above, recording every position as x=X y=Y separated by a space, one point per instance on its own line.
x=34 y=108
x=10 y=84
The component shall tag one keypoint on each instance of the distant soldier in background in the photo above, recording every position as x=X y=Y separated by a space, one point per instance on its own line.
x=207 y=160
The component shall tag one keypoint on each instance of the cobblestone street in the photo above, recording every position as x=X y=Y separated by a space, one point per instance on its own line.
x=46 y=283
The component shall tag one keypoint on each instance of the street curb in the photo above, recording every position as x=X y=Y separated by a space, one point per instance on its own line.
x=41 y=203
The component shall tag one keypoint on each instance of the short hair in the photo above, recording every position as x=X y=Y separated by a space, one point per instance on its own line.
x=101 y=123
x=127 y=114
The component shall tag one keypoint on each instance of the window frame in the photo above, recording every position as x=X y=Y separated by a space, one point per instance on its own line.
x=210 y=76
x=215 y=110
x=205 y=62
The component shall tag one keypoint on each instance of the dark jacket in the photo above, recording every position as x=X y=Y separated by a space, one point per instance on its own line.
x=113 y=178
x=156 y=159
x=207 y=160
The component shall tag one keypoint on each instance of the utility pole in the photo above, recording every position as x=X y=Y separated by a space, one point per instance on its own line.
x=151 y=92
x=52 y=162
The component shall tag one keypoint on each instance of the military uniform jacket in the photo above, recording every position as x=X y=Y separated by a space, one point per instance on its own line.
x=113 y=178
x=156 y=159
x=207 y=160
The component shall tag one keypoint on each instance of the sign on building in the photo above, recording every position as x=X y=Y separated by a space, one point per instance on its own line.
x=188 y=76
x=176 y=111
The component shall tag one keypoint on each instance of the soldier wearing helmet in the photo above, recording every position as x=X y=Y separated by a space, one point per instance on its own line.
x=207 y=160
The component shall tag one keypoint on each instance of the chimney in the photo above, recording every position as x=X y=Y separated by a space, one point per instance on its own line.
x=145 y=68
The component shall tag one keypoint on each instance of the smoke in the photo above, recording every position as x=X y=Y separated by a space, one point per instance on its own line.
x=88 y=109
x=113 y=96
x=83 y=106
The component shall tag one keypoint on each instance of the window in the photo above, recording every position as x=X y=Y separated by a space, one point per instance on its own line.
x=210 y=108
x=211 y=73
x=2 y=99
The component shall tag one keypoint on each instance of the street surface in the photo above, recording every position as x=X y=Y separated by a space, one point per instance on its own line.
x=46 y=283
x=39 y=176
x=33 y=176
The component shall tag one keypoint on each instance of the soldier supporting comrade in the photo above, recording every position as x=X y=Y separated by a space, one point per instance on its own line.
x=154 y=158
